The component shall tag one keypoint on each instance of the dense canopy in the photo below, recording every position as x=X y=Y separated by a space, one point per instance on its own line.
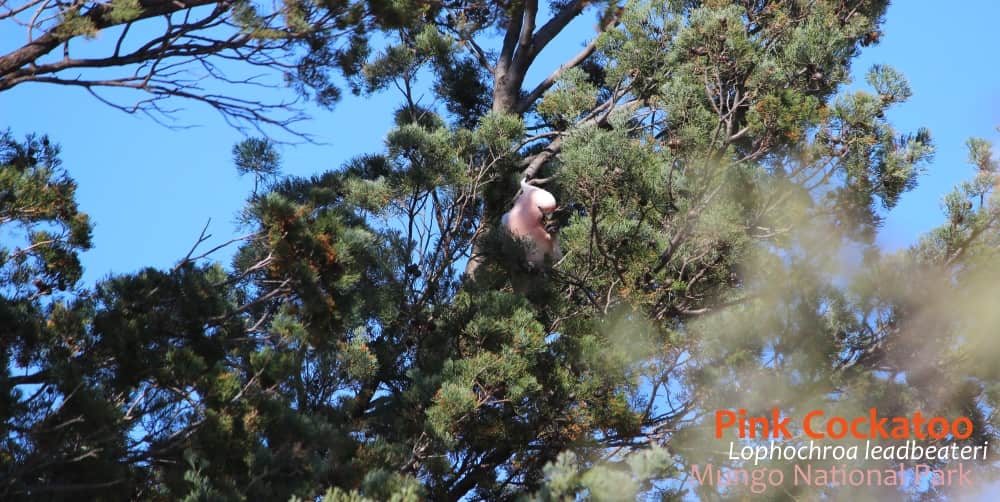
x=379 y=336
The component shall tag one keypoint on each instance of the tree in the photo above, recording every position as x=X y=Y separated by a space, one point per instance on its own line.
x=379 y=337
x=177 y=49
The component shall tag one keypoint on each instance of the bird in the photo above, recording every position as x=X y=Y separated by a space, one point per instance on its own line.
x=525 y=222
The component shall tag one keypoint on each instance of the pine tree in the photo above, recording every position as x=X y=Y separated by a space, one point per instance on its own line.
x=380 y=337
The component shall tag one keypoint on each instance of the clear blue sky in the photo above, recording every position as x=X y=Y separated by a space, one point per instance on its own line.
x=151 y=189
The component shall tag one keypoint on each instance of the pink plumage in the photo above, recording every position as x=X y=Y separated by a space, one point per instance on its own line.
x=525 y=222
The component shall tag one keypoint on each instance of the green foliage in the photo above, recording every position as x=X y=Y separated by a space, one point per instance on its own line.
x=73 y=24
x=259 y=157
x=379 y=336
x=37 y=205
x=569 y=99
x=256 y=156
x=570 y=479
x=123 y=11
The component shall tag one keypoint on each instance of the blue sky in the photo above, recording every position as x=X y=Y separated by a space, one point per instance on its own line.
x=150 y=189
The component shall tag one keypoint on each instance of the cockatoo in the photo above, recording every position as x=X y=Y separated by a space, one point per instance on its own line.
x=525 y=222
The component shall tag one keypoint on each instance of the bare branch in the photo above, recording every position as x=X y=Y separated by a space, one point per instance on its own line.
x=553 y=27
x=549 y=81
x=169 y=63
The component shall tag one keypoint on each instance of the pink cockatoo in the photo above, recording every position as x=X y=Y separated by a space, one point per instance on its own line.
x=525 y=222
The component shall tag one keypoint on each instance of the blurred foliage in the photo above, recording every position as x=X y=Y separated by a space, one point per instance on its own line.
x=718 y=207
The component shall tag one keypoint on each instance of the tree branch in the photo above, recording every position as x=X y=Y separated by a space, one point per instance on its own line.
x=536 y=93
x=100 y=16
